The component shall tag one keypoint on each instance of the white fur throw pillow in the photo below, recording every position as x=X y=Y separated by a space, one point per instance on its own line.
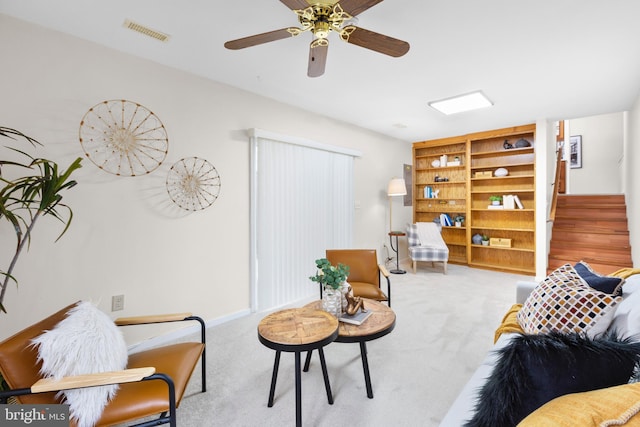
x=86 y=341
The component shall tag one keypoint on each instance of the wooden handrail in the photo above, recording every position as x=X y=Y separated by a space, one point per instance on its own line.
x=556 y=186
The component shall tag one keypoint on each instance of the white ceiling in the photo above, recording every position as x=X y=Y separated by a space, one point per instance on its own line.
x=534 y=59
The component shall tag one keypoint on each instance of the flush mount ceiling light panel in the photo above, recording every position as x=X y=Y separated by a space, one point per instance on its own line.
x=461 y=103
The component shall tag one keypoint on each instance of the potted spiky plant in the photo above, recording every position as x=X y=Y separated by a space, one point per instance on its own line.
x=34 y=193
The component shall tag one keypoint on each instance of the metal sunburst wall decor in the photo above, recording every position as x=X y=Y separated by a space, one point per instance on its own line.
x=123 y=138
x=193 y=183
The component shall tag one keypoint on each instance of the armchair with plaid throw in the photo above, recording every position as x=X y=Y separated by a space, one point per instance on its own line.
x=426 y=244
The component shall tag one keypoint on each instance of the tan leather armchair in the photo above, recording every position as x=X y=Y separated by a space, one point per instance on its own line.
x=364 y=272
x=152 y=385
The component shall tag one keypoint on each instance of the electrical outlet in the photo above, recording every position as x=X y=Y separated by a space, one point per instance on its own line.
x=117 y=302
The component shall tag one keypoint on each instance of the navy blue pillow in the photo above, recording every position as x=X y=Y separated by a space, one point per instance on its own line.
x=606 y=284
x=533 y=369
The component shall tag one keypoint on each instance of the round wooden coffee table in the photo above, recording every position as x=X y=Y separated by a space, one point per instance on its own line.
x=297 y=330
x=380 y=323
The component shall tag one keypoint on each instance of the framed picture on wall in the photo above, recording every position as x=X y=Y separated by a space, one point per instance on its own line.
x=575 y=153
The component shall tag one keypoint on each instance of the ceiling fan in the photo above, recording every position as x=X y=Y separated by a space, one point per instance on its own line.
x=321 y=17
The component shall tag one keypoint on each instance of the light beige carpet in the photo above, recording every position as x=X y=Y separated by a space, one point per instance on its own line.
x=445 y=325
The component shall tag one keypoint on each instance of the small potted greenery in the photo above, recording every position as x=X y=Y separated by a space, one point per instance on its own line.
x=329 y=275
x=458 y=220
x=485 y=240
x=495 y=200
x=331 y=279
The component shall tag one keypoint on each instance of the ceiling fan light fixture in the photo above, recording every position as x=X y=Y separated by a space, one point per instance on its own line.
x=461 y=103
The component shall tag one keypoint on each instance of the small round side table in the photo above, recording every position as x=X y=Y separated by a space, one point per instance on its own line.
x=296 y=330
x=396 y=234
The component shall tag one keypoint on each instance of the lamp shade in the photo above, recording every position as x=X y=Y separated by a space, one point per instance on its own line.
x=396 y=187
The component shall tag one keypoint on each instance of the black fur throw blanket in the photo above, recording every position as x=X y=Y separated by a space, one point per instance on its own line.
x=534 y=369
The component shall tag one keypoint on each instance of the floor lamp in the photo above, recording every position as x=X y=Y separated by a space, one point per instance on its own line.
x=396 y=187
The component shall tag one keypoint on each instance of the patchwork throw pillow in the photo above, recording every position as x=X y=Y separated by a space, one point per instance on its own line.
x=564 y=302
x=86 y=341
x=534 y=369
x=606 y=284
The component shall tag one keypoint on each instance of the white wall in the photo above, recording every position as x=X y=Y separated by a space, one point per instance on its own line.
x=127 y=237
x=602 y=153
x=632 y=180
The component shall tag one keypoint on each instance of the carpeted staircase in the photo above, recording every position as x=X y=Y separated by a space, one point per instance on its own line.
x=591 y=228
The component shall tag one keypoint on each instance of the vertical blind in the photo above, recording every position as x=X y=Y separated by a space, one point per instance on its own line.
x=301 y=204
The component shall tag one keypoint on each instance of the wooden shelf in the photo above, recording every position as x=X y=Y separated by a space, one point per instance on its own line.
x=498 y=248
x=502 y=153
x=514 y=269
x=481 y=152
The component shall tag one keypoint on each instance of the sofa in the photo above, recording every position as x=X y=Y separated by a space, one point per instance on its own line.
x=601 y=395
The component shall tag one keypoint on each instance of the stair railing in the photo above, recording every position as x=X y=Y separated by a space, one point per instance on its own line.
x=556 y=186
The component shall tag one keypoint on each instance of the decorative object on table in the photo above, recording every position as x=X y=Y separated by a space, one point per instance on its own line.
x=435 y=163
x=440 y=179
x=575 y=153
x=495 y=200
x=435 y=194
x=476 y=239
x=345 y=290
x=458 y=220
x=35 y=193
x=507 y=145
x=123 y=138
x=356 y=318
x=330 y=279
x=501 y=172
x=354 y=304
x=193 y=183
x=485 y=240
x=395 y=188
x=522 y=143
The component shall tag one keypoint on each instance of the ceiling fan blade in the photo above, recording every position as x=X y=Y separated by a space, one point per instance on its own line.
x=374 y=41
x=296 y=4
x=317 y=59
x=356 y=7
x=262 y=38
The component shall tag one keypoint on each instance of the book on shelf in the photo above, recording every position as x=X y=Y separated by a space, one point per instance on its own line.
x=516 y=199
x=355 y=319
x=508 y=201
x=445 y=220
x=495 y=207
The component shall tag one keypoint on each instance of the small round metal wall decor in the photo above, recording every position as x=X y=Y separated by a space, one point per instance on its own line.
x=123 y=138
x=193 y=183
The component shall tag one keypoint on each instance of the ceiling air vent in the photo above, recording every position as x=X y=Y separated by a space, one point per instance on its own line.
x=146 y=31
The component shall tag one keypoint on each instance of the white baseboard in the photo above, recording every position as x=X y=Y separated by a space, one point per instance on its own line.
x=180 y=333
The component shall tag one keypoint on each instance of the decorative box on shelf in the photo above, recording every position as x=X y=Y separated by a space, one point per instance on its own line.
x=483 y=174
x=500 y=242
